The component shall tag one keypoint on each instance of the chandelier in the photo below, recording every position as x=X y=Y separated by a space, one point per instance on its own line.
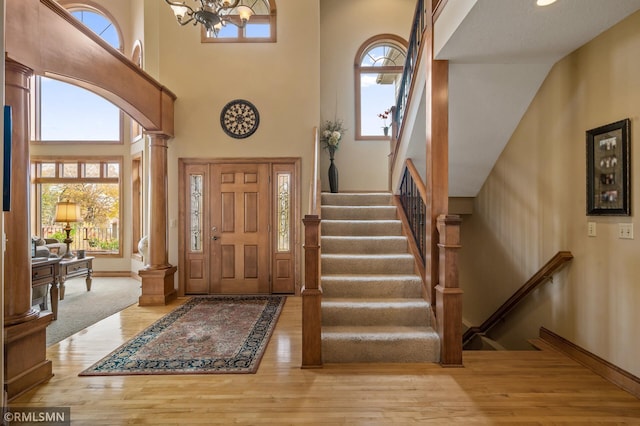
x=212 y=14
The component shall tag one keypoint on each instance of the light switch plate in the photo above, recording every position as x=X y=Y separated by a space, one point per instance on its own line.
x=591 y=229
x=625 y=231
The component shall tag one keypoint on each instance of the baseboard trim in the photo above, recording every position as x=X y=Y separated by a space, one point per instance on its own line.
x=127 y=274
x=593 y=362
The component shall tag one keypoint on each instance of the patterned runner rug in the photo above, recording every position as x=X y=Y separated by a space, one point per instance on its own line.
x=206 y=335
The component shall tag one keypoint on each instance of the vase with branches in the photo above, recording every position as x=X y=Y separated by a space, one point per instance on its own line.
x=330 y=137
x=384 y=115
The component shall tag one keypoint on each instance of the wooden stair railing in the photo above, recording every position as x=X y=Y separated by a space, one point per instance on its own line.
x=448 y=295
x=543 y=275
x=312 y=289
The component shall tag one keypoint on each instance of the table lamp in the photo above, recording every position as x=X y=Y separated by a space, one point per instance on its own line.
x=67 y=211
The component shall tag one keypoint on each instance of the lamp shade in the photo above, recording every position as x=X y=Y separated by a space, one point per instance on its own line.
x=179 y=11
x=66 y=211
x=244 y=12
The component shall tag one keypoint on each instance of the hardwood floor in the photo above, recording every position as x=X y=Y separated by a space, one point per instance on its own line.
x=527 y=387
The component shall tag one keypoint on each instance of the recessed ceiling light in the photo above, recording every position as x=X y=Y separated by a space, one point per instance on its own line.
x=545 y=2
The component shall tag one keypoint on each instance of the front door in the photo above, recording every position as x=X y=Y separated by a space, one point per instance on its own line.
x=239 y=228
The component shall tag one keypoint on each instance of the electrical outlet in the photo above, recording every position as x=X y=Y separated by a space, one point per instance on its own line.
x=591 y=229
x=625 y=231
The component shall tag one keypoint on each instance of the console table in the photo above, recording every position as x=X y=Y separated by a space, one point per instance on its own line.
x=43 y=273
x=75 y=267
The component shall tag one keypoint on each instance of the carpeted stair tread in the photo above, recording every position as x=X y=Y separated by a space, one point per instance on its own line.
x=364 y=244
x=363 y=332
x=361 y=227
x=406 y=312
x=372 y=286
x=356 y=199
x=379 y=344
x=367 y=263
x=359 y=213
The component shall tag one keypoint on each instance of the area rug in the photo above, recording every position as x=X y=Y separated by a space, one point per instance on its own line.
x=81 y=308
x=206 y=335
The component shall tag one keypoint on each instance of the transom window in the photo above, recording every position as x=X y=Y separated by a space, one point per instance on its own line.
x=261 y=28
x=378 y=73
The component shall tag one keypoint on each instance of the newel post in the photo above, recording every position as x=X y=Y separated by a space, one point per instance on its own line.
x=311 y=295
x=448 y=293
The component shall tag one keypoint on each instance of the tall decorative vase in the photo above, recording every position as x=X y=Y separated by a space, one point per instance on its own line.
x=386 y=130
x=333 y=172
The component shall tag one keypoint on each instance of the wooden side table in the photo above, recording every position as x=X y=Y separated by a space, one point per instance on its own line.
x=75 y=268
x=43 y=273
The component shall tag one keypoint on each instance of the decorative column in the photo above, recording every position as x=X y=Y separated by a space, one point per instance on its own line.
x=25 y=362
x=157 y=277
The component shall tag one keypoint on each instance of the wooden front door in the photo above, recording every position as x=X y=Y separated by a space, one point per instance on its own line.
x=239 y=228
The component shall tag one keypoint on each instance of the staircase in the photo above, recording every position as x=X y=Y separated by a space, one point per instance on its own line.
x=372 y=305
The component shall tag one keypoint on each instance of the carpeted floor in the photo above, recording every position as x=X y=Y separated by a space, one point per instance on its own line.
x=81 y=308
x=213 y=334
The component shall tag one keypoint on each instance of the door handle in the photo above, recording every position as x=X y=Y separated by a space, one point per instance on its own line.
x=215 y=238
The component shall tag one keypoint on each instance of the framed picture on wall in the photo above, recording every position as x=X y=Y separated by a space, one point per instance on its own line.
x=608 y=174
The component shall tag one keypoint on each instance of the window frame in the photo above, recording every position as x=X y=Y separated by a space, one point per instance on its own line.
x=271 y=19
x=36 y=189
x=359 y=70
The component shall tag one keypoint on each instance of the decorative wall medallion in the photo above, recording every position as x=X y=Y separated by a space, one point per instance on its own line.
x=239 y=119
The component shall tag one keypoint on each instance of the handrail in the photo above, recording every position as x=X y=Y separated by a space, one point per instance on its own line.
x=413 y=52
x=413 y=198
x=314 y=184
x=543 y=275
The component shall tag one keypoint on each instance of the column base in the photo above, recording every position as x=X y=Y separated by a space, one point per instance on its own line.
x=157 y=286
x=25 y=351
x=449 y=327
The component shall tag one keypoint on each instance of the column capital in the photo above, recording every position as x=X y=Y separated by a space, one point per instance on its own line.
x=158 y=138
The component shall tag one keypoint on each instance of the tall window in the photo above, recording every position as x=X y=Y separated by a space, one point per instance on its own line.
x=66 y=113
x=70 y=113
x=95 y=186
x=378 y=71
x=260 y=28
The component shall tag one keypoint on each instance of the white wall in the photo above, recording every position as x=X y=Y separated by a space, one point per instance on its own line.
x=281 y=79
x=345 y=25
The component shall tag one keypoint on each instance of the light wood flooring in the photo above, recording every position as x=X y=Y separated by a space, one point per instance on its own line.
x=526 y=387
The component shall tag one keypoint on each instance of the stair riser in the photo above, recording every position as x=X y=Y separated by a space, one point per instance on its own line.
x=359 y=213
x=361 y=228
x=401 y=350
x=369 y=290
x=354 y=316
x=344 y=199
x=348 y=265
x=364 y=245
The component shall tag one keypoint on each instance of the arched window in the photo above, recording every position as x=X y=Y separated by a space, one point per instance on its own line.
x=261 y=28
x=69 y=113
x=378 y=71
